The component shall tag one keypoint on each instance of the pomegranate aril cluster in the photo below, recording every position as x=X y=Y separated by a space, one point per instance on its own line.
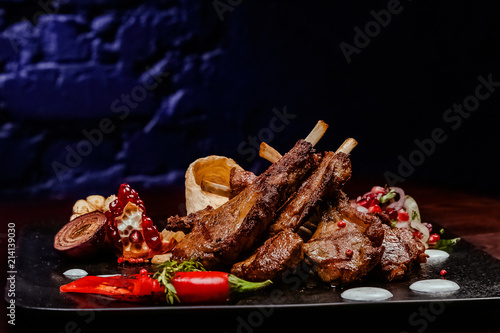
x=149 y=232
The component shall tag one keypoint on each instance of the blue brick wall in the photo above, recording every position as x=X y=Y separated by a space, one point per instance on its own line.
x=94 y=93
x=98 y=92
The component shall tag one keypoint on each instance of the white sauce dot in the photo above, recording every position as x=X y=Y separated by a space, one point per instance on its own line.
x=75 y=273
x=435 y=286
x=366 y=294
x=436 y=255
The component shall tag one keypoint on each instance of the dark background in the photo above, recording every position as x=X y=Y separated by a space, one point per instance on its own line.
x=65 y=66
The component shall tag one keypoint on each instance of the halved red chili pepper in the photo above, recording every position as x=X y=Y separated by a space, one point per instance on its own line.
x=136 y=287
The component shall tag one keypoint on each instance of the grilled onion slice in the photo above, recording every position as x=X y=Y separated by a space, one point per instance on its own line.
x=82 y=237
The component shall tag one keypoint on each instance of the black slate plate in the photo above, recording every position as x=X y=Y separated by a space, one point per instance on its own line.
x=40 y=273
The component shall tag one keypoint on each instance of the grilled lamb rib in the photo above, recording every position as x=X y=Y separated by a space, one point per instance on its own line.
x=278 y=254
x=331 y=174
x=345 y=253
x=220 y=235
x=283 y=250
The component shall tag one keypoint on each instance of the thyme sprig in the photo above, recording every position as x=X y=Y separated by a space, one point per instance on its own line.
x=167 y=270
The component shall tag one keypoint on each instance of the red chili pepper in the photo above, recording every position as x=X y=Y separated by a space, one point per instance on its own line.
x=193 y=287
x=201 y=287
x=136 y=287
x=211 y=287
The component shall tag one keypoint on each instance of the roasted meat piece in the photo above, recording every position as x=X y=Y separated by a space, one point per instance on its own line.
x=402 y=252
x=278 y=254
x=185 y=223
x=396 y=260
x=219 y=236
x=346 y=245
x=239 y=179
x=331 y=174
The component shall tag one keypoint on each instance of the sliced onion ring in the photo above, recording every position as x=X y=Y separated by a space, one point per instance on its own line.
x=397 y=205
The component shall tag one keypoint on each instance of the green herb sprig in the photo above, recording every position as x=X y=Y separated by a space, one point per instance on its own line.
x=445 y=244
x=167 y=270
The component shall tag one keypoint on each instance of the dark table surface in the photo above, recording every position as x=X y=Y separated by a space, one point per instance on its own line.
x=472 y=216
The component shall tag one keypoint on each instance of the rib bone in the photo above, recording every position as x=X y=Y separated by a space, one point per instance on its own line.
x=272 y=155
x=215 y=188
x=347 y=146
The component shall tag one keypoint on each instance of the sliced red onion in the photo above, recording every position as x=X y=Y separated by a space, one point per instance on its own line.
x=397 y=205
x=378 y=189
x=82 y=237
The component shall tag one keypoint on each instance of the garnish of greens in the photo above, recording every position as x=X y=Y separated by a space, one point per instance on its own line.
x=445 y=244
x=387 y=197
x=167 y=270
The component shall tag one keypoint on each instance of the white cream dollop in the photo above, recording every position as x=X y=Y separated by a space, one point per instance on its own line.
x=435 y=286
x=75 y=273
x=436 y=255
x=366 y=294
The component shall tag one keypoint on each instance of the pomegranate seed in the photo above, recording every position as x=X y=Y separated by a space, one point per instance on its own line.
x=127 y=198
x=113 y=205
x=124 y=193
x=341 y=224
x=443 y=272
x=120 y=260
x=135 y=236
x=143 y=271
x=116 y=208
x=374 y=209
x=140 y=204
x=363 y=203
x=146 y=222
x=109 y=215
x=140 y=260
x=434 y=238
x=132 y=260
x=373 y=202
x=403 y=215
x=349 y=252
x=113 y=233
x=417 y=234
x=393 y=214
x=124 y=189
x=152 y=237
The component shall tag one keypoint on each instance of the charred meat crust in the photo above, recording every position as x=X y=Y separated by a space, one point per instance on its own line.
x=374 y=230
x=185 y=223
x=280 y=253
x=219 y=236
x=402 y=253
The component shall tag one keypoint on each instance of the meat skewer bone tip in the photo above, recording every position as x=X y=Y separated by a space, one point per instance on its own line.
x=272 y=155
x=216 y=188
x=347 y=146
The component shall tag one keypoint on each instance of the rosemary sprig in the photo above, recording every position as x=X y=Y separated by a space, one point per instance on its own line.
x=167 y=270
